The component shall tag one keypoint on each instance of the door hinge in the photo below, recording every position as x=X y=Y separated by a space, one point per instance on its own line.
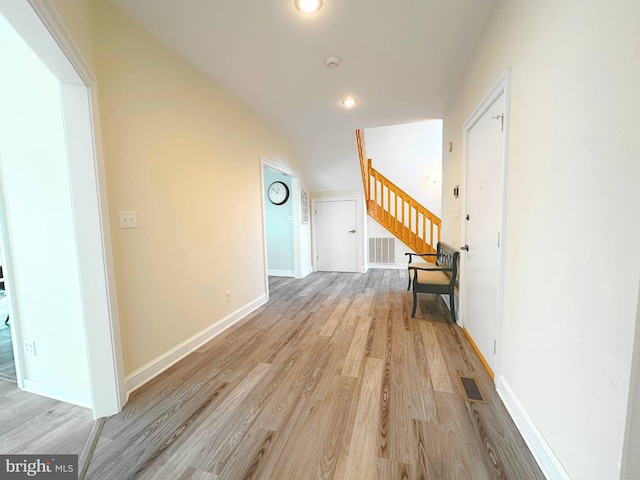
x=498 y=239
x=494 y=347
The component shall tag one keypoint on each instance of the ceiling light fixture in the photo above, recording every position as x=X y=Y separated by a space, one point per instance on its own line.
x=349 y=102
x=332 y=62
x=308 y=6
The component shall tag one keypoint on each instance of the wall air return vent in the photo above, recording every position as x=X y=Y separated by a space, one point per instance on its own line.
x=382 y=250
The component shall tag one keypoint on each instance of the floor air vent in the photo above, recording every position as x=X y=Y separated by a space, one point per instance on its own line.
x=471 y=389
x=382 y=250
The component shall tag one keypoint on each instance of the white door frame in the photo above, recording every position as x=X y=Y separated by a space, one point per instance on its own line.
x=360 y=229
x=41 y=27
x=501 y=87
x=295 y=198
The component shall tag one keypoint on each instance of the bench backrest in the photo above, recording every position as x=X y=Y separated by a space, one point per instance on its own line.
x=448 y=257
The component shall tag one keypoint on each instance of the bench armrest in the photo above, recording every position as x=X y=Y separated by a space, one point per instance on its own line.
x=411 y=255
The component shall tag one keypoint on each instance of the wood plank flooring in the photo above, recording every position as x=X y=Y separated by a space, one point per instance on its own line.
x=331 y=379
x=32 y=424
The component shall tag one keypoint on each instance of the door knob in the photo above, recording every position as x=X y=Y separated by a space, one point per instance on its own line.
x=465 y=248
x=352 y=231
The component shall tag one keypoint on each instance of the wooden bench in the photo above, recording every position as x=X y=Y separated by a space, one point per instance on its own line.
x=439 y=277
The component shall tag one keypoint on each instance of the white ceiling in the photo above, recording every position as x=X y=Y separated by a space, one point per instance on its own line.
x=401 y=60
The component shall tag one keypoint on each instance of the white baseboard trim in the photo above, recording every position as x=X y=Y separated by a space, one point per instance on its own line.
x=58 y=393
x=542 y=452
x=281 y=273
x=155 y=367
x=394 y=266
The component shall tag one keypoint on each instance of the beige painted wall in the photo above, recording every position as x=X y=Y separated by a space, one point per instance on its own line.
x=184 y=155
x=572 y=270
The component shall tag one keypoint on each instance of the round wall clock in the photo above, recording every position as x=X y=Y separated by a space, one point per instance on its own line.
x=278 y=193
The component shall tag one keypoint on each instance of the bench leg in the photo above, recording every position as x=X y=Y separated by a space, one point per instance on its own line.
x=415 y=303
x=452 y=303
x=409 y=286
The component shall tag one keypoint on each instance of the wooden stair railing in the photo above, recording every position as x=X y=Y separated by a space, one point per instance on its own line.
x=395 y=209
x=364 y=164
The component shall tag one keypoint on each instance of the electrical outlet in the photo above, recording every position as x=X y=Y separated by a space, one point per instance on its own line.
x=127 y=219
x=228 y=295
x=30 y=347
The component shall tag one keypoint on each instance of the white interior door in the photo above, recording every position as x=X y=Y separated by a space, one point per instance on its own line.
x=485 y=140
x=337 y=239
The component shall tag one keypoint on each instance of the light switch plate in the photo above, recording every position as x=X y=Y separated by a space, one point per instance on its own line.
x=127 y=219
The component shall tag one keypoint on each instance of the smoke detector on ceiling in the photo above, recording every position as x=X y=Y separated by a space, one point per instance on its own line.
x=332 y=62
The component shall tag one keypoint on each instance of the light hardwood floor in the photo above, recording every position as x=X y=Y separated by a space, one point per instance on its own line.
x=32 y=424
x=330 y=380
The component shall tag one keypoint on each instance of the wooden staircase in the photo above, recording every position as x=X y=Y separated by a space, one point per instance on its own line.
x=395 y=209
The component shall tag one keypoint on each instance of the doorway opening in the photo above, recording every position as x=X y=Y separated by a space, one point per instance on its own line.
x=285 y=224
x=55 y=226
x=278 y=208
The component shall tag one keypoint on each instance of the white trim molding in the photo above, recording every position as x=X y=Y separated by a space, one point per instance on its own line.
x=281 y=273
x=542 y=452
x=158 y=365
x=51 y=19
x=391 y=266
x=57 y=393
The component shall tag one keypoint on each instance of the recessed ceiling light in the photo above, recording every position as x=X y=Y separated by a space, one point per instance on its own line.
x=308 y=6
x=349 y=102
